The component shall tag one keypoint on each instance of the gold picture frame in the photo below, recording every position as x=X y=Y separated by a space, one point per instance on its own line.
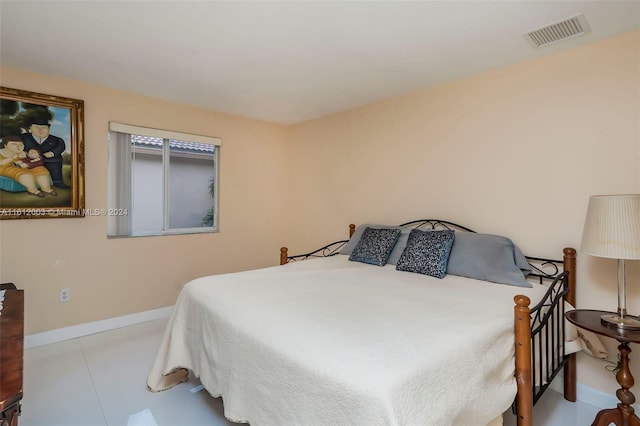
x=41 y=155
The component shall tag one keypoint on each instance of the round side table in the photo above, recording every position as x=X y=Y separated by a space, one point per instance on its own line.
x=624 y=414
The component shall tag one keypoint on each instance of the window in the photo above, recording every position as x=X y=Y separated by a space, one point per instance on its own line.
x=161 y=182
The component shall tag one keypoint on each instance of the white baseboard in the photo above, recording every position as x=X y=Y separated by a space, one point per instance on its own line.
x=80 y=330
x=589 y=395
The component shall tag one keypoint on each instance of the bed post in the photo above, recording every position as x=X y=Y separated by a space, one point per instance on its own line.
x=283 y=256
x=524 y=399
x=352 y=229
x=570 y=366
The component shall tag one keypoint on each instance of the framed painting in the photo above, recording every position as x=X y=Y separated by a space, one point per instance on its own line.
x=41 y=155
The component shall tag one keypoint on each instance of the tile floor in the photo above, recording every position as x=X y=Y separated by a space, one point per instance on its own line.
x=100 y=380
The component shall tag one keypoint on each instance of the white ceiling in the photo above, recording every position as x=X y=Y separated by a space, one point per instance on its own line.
x=285 y=62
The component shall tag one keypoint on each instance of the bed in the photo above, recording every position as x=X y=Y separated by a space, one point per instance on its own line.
x=333 y=341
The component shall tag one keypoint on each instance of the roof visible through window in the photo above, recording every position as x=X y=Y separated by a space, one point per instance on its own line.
x=184 y=146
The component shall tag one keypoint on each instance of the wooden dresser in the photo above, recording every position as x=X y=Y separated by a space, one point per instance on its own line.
x=11 y=354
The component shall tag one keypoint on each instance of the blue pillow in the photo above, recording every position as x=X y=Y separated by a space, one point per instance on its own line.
x=489 y=258
x=375 y=246
x=427 y=252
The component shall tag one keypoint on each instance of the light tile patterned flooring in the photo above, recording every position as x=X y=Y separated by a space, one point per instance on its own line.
x=100 y=380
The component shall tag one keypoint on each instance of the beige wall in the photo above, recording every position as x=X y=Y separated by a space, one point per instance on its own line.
x=516 y=151
x=112 y=277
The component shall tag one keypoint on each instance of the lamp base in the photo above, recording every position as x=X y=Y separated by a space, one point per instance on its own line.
x=628 y=322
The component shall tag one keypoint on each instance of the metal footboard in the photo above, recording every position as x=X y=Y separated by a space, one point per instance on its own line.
x=548 y=355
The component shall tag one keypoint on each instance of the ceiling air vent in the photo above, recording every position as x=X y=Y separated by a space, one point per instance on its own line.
x=558 y=31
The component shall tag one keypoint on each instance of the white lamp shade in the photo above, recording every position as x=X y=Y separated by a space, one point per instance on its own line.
x=612 y=227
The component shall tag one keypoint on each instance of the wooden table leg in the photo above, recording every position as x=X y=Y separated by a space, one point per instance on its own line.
x=624 y=415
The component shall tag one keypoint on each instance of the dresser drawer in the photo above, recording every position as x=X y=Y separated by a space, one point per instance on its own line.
x=11 y=356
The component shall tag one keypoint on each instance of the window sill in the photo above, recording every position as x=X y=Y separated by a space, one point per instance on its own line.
x=170 y=232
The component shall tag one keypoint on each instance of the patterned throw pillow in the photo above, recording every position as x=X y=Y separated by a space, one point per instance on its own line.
x=427 y=252
x=375 y=246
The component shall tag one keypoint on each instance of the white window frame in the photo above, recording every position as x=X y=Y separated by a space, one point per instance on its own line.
x=120 y=186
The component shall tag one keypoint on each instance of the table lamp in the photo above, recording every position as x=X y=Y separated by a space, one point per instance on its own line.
x=612 y=230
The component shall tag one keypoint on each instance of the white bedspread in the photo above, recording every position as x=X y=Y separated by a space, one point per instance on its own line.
x=333 y=342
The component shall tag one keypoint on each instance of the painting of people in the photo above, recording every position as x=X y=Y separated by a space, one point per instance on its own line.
x=41 y=155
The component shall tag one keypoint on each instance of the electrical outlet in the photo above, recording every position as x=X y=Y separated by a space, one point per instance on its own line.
x=64 y=295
